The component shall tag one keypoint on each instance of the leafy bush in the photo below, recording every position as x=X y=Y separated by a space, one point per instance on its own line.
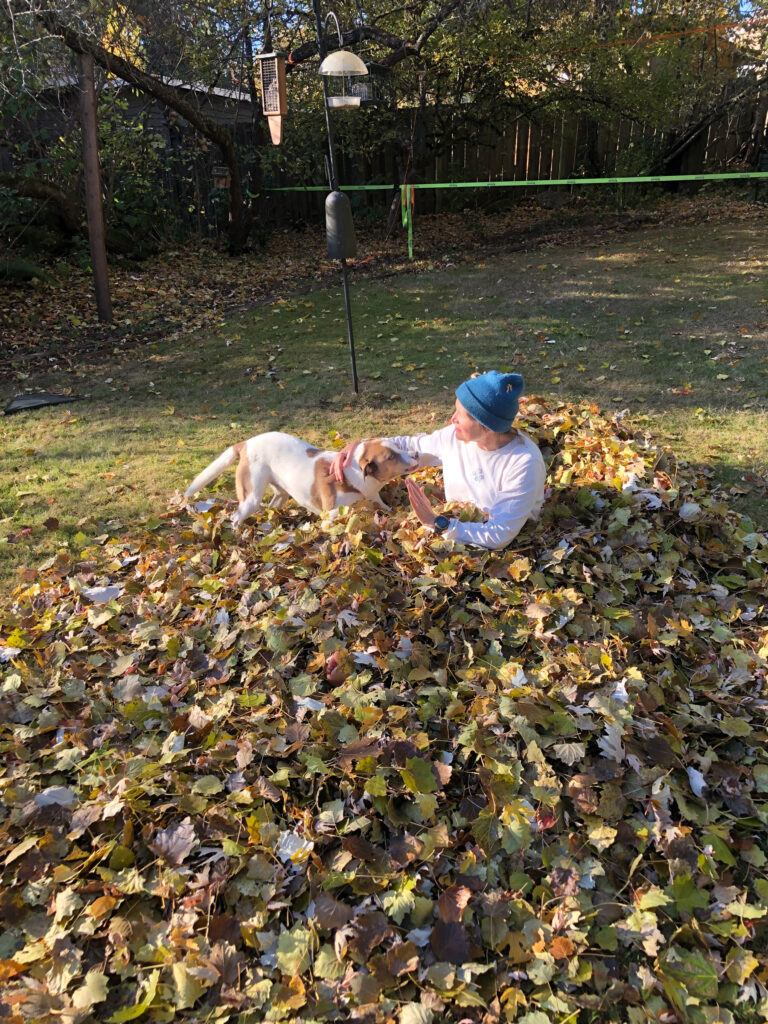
x=131 y=161
x=18 y=269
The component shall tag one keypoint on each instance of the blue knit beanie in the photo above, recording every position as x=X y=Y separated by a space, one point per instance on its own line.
x=491 y=398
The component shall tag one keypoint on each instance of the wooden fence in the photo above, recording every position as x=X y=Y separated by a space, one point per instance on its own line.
x=524 y=150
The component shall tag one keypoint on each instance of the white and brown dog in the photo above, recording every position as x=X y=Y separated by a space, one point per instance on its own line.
x=296 y=469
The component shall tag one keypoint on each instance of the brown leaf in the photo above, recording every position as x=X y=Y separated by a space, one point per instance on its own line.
x=174 y=843
x=402 y=750
x=290 y=996
x=331 y=913
x=403 y=958
x=10 y=968
x=565 y=881
x=562 y=948
x=518 y=948
x=369 y=930
x=495 y=904
x=101 y=907
x=197 y=718
x=84 y=817
x=355 y=751
x=451 y=904
x=263 y=787
x=585 y=799
x=582 y=780
x=244 y=754
x=224 y=928
x=366 y=1013
x=365 y=988
x=361 y=849
x=537 y=611
x=657 y=751
x=339 y=666
x=405 y=849
x=296 y=735
x=450 y=942
x=227 y=961
x=471 y=806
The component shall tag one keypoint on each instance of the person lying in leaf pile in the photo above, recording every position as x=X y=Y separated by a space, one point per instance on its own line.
x=485 y=460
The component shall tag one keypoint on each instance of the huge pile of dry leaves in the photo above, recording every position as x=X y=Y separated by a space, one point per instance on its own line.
x=335 y=771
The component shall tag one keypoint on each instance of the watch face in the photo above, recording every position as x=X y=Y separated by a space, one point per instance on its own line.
x=441 y=523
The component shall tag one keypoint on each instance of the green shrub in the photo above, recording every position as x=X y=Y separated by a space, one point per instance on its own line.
x=17 y=269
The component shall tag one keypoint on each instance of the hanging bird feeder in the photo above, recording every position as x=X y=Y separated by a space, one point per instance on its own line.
x=341 y=68
x=221 y=177
x=375 y=90
x=274 y=100
x=347 y=89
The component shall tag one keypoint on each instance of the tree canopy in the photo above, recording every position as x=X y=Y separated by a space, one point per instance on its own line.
x=476 y=63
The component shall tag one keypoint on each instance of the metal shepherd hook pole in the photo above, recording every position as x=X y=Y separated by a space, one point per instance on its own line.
x=334 y=187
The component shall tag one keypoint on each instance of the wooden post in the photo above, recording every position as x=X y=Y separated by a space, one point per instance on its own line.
x=93 y=202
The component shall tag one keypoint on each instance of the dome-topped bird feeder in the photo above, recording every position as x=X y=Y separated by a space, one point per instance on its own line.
x=347 y=90
x=340 y=69
x=274 y=100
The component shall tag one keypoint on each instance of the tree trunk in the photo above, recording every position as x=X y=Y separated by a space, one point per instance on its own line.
x=759 y=136
x=93 y=200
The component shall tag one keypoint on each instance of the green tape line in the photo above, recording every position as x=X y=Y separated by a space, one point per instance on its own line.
x=406 y=191
x=532 y=181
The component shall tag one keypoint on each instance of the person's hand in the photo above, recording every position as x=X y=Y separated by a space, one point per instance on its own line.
x=342 y=459
x=420 y=503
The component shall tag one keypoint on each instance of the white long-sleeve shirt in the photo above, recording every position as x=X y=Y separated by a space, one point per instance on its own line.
x=507 y=484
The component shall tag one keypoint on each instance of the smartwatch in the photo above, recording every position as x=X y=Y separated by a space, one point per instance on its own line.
x=441 y=524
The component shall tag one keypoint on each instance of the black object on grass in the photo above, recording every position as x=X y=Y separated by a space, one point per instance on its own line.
x=20 y=403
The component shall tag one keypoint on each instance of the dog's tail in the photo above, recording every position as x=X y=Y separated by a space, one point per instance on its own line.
x=211 y=472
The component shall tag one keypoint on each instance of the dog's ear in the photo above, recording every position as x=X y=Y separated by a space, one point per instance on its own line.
x=365 y=462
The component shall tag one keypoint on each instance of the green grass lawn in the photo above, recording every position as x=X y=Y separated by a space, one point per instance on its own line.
x=669 y=324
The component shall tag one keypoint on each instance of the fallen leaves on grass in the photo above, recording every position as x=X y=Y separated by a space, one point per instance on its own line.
x=336 y=770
